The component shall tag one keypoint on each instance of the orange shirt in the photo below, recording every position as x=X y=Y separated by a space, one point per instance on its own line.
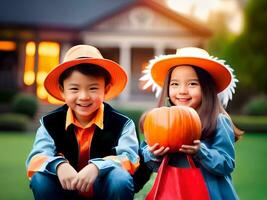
x=84 y=134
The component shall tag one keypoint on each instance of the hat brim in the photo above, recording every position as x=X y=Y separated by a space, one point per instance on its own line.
x=218 y=72
x=117 y=73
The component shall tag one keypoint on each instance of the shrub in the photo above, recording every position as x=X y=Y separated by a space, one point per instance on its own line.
x=257 y=106
x=13 y=122
x=6 y=96
x=25 y=104
x=134 y=114
x=251 y=123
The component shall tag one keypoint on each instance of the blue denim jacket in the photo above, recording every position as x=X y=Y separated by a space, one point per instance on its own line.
x=216 y=159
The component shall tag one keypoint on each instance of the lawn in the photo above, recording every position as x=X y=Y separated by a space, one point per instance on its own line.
x=249 y=177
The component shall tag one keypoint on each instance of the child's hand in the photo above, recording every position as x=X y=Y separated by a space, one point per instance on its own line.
x=191 y=149
x=156 y=150
x=67 y=176
x=86 y=177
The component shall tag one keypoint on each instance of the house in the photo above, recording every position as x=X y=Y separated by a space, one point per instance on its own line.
x=35 y=34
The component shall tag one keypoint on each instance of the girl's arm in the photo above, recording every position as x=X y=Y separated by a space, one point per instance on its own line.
x=217 y=155
x=153 y=155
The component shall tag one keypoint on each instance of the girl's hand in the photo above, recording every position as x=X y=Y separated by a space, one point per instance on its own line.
x=67 y=176
x=191 y=149
x=86 y=177
x=156 y=150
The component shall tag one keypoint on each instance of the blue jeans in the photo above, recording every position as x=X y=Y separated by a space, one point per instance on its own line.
x=116 y=184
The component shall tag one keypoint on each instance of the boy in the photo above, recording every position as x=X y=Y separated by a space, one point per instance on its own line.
x=84 y=149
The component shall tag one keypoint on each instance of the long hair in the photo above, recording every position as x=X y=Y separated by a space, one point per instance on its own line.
x=210 y=106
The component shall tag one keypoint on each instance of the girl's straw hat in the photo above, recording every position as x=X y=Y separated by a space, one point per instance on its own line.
x=86 y=54
x=156 y=72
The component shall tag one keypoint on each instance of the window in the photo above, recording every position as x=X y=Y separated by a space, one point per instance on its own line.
x=48 y=58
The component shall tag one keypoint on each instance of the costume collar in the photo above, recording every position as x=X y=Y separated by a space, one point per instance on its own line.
x=97 y=120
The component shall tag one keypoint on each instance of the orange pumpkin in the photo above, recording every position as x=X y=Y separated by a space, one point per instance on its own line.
x=172 y=126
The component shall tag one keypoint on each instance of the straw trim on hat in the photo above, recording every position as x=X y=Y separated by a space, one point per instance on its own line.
x=86 y=54
x=157 y=69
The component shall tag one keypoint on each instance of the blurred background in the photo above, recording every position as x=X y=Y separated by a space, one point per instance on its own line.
x=35 y=34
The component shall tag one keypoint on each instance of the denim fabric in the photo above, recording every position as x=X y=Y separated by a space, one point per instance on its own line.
x=216 y=159
x=115 y=185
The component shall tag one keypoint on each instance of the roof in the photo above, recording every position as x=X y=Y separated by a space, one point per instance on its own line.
x=186 y=21
x=56 y=13
x=78 y=14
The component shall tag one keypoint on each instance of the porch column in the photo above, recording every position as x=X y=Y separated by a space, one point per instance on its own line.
x=159 y=49
x=125 y=62
x=64 y=48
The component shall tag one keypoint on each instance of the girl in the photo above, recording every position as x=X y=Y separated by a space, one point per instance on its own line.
x=193 y=78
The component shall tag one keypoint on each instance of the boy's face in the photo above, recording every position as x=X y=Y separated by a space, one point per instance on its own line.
x=84 y=95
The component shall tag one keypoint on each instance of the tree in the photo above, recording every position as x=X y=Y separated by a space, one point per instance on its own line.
x=247 y=53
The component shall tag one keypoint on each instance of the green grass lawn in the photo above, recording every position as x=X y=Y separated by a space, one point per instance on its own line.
x=14 y=149
x=250 y=176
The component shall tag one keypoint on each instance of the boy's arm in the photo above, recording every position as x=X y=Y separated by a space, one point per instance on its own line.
x=42 y=157
x=127 y=152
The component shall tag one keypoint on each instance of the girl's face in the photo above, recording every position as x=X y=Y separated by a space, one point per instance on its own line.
x=184 y=87
x=84 y=95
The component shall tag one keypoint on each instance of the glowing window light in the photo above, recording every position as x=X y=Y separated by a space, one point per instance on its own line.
x=41 y=92
x=40 y=77
x=49 y=49
x=54 y=100
x=30 y=48
x=48 y=58
x=29 y=75
x=7 y=46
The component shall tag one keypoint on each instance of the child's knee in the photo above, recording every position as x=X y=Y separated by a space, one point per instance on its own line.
x=123 y=180
x=43 y=183
x=117 y=184
x=46 y=186
x=37 y=181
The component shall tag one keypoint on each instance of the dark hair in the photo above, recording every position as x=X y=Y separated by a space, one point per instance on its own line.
x=86 y=69
x=210 y=107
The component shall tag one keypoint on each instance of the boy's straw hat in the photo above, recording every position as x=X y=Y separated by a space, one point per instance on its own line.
x=82 y=54
x=156 y=72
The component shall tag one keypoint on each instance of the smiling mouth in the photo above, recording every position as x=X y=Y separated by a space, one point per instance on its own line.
x=84 y=105
x=183 y=99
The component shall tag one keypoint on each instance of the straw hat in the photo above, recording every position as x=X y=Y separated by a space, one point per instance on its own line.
x=155 y=73
x=86 y=54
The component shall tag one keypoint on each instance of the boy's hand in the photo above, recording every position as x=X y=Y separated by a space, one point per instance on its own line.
x=86 y=177
x=156 y=150
x=191 y=149
x=67 y=176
